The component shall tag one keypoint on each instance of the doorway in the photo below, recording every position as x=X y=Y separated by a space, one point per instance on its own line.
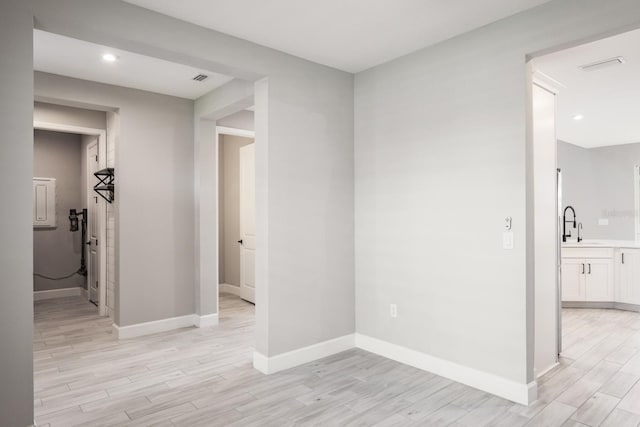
x=236 y=202
x=586 y=148
x=68 y=257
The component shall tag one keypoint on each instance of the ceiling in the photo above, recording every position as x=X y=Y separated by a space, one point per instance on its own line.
x=608 y=98
x=351 y=35
x=83 y=60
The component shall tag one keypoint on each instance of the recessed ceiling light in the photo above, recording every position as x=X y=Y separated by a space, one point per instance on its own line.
x=109 y=57
x=578 y=117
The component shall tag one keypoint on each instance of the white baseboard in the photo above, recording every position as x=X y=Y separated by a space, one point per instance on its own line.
x=206 y=320
x=84 y=293
x=549 y=369
x=57 y=293
x=230 y=289
x=164 y=325
x=524 y=394
x=270 y=365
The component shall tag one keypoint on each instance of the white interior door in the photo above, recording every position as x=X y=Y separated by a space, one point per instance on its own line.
x=247 y=223
x=93 y=228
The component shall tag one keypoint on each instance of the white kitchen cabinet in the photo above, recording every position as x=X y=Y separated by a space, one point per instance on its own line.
x=628 y=276
x=588 y=275
x=599 y=280
x=572 y=279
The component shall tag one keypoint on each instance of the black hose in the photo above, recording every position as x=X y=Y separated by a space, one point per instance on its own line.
x=57 y=278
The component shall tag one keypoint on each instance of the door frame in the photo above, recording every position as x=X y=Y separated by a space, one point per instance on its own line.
x=225 y=130
x=542 y=299
x=102 y=206
x=242 y=248
x=636 y=200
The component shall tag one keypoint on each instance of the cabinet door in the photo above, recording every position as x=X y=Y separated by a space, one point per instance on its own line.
x=629 y=277
x=624 y=279
x=599 y=280
x=572 y=279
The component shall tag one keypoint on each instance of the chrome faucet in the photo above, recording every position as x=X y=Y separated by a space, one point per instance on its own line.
x=579 y=230
x=564 y=222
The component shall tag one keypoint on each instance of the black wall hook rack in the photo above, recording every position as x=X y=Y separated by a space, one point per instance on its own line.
x=105 y=187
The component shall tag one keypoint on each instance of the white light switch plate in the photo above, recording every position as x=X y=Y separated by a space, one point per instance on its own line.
x=603 y=221
x=393 y=310
x=507 y=240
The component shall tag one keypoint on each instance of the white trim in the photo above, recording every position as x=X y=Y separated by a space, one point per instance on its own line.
x=154 y=327
x=260 y=362
x=502 y=387
x=270 y=365
x=521 y=393
x=230 y=289
x=205 y=321
x=84 y=293
x=164 y=325
x=57 y=127
x=546 y=82
x=549 y=369
x=224 y=130
x=101 y=213
x=636 y=192
x=57 y=293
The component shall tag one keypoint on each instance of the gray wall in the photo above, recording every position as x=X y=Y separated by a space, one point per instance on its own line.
x=441 y=159
x=16 y=218
x=57 y=251
x=62 y=114
x=154 y=195
x=243 y=119
x=599 y=183
x=230 y=207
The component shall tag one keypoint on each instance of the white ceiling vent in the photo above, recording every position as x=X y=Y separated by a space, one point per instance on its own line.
x=201 y=77
x=618 y=60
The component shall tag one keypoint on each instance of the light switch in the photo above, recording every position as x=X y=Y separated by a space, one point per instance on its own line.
x=507 y=240
x=507 y=223
x=603 y=221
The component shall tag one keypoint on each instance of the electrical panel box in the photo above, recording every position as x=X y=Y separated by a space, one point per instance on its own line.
x=44 y=202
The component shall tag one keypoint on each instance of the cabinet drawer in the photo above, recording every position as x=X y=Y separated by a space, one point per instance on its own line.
x=587 y=252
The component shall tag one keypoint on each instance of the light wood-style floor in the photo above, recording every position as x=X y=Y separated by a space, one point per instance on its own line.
x=204 y=377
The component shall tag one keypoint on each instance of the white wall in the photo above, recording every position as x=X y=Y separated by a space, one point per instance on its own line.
x=16 y=241
x=441 y=159
x=154 y=195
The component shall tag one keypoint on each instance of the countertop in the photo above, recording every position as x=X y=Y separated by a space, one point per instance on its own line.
x=603 y=244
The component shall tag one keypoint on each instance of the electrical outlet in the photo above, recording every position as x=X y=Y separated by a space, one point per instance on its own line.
x=393 y=310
